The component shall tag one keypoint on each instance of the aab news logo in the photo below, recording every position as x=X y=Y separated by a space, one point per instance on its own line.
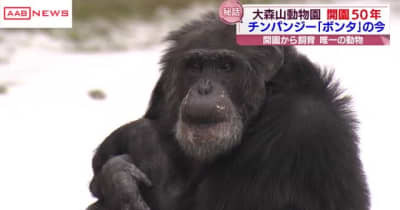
x=35 y=14
x=27 y=13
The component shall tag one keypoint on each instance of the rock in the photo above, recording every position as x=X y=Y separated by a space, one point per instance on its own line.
x=3 y=90
x=97 y=94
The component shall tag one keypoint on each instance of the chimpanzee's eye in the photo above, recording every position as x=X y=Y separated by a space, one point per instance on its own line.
x=226 y=67
x=194 y=65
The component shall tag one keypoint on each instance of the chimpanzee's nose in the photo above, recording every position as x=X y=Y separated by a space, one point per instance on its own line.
x=204 y=87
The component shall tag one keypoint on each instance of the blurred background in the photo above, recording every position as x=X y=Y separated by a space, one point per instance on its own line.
x=62 y=91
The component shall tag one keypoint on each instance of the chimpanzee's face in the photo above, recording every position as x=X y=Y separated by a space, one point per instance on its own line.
x=220 y=92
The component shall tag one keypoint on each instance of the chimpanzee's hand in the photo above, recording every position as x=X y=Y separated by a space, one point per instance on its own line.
x=116 y=186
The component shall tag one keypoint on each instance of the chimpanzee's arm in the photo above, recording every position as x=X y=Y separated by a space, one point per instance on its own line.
x=117 y=185
x=121 y=140
x=116 y=174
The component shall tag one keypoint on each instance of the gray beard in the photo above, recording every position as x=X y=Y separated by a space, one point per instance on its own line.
x=206 y=142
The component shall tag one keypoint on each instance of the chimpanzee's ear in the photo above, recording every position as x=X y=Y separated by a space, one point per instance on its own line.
x=275 y=59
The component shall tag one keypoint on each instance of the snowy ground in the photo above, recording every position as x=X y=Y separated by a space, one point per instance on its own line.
x=49 y=127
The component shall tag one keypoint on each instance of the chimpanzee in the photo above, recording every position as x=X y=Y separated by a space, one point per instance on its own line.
x=234 y=127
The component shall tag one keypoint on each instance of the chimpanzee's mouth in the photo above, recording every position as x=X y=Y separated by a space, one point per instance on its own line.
x=207 y=136
x=205 y=110
x=203 y=118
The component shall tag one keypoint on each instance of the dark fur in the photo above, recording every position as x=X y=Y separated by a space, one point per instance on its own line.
x=298 y=149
